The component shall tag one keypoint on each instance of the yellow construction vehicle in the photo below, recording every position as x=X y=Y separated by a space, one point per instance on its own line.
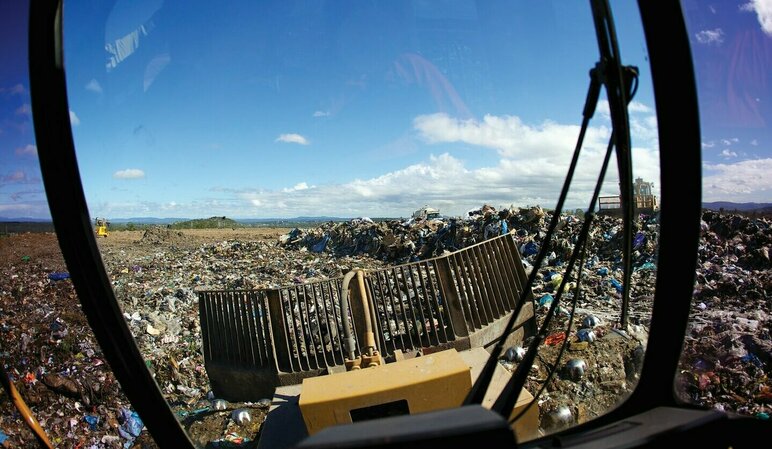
x=100 y=225
x=378 y=343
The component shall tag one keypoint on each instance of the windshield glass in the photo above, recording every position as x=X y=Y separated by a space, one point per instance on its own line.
x=238 y=160
x=725 y=361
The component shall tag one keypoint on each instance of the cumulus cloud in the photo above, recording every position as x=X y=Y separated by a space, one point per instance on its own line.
x=74 y=120
x=507 y=134
x=743 y=181
x=710 y=144
x=292 y=138
x=321 y=113
x=763 y=10
x=27 y=150
x=524 y=164
x=296 y=187
x=730 y=141
x=708 y=37
x=530 y=169
x=94 y=86
x=728 y=154
x=635 y=106
x=129 y=173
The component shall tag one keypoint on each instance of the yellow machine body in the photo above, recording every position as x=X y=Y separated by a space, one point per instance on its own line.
x=101 y=227
x=421 y=384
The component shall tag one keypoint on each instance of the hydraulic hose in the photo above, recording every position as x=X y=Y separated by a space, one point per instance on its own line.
x=350 y=341
x=369 y=345
x=24 y=411
x=369 y=333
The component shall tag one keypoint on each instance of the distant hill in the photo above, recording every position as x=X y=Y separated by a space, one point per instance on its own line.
x=24 y=220
x=207 y=223
x=14 y=227
x=740 y=207
x=147 y=220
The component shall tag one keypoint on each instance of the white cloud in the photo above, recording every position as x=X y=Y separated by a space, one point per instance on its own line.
x=292 y=138
x=708 y=37
x=296 y=187
x=728 y=154
x=94 y=86
x=710 y=144
x=321 y=113
x=744 y=181
x=28 y=150
x=526 y=165
x=531 y=167
x=730 y=141
x=754 y=142
x=763 y=10
x=635 y=106
x=129 y=173
x=507 y=134
x=74 y=120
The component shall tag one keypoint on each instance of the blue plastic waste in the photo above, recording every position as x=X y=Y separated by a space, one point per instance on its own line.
x=617 y=285
x=321 y=245
x=752 y=358
x=647 y=266
x=546 y=300
x=602 y=271
x=92 y=421
x=132 y=424
x=530 y=248
x=58 y=275
x=3 y=437
x=639 y=240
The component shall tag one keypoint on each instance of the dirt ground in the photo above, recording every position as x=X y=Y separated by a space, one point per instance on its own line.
x=187 y=238
x=50 y=354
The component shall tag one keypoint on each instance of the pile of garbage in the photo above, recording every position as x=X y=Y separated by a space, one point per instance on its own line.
x=51 y=356
x=402 y=241
x=161 y=235
x=54 y=361
x=727 y=357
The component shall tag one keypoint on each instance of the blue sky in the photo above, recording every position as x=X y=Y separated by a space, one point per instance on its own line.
x=351 y=108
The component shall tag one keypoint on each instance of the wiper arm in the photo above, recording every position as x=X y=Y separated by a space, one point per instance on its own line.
x=621 y=83
x=480 y=387
x=618 y=96
x=508 y=396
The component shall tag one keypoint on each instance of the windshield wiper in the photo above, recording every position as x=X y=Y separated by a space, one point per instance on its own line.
x=621 y=83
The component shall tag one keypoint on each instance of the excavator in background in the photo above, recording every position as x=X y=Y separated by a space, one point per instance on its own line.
x=100 y=226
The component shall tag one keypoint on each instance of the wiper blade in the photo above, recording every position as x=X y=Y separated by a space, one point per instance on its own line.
x=480 y=387
x=620 y=83
x=508 y=396
x=617 y=95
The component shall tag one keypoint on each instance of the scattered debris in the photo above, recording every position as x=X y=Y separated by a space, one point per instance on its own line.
x=56 y=364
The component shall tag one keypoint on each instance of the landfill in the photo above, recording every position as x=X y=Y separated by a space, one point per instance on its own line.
x=52 y=357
